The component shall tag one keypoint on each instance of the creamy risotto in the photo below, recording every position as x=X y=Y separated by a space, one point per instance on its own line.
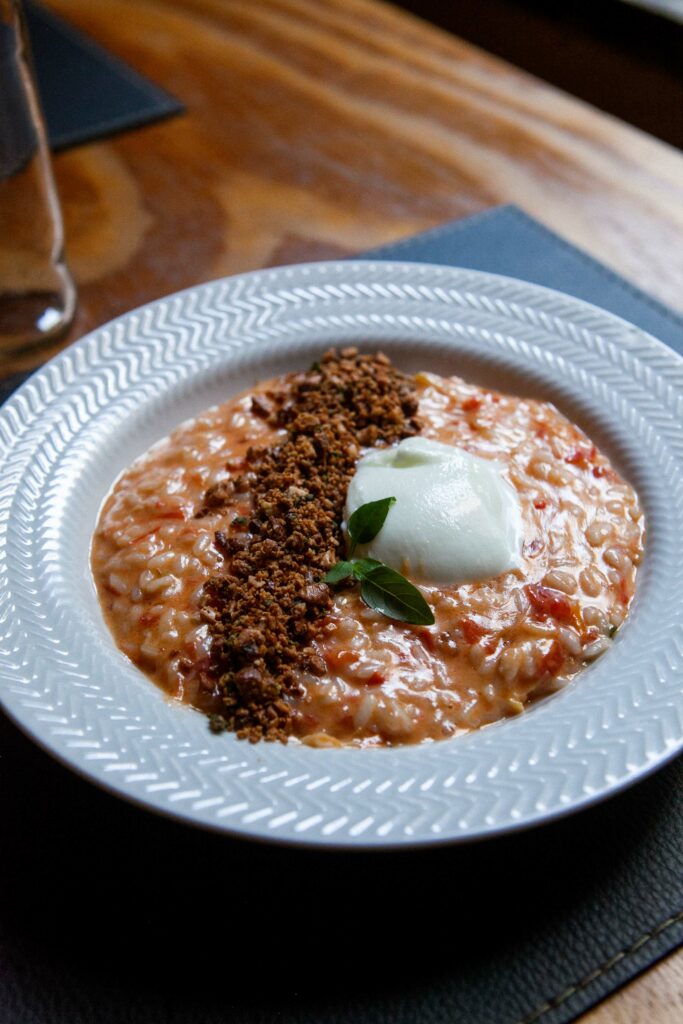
x=496 y=645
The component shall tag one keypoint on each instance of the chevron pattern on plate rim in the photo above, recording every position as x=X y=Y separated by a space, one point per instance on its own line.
x=66 y=434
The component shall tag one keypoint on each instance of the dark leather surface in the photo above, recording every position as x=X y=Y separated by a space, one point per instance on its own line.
x=109 y=914
x=86 y=92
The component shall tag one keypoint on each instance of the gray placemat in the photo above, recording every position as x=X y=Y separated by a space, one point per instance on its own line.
x=86 y=92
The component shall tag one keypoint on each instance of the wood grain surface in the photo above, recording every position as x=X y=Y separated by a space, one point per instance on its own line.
x=316 y=129
x=654 y=998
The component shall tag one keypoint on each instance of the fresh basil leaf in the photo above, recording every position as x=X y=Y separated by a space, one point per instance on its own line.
x=368 y=520
x=394 y=596
x=340 y=571
x=362 y=566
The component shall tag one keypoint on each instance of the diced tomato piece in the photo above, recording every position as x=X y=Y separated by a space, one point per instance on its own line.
x=490 y=643
x=580 y=457
x=547 y=601
x=600 y=471
x=376 y=679
x=540 y=503
x=472 y=631
x=427 y=638
x=554 y=659
x=471 y=404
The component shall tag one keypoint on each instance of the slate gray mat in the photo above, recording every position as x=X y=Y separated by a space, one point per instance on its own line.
x=87 y=92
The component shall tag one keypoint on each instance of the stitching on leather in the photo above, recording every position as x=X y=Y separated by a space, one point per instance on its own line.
x=443 y=229
x=562 y=997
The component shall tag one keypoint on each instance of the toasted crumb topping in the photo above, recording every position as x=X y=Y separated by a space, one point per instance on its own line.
x=265 y=610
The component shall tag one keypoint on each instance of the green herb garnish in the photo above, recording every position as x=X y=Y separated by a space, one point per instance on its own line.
x=381 y=588
x=393 y=595
x=362 y=566
x=340 y=571
x=368 y=520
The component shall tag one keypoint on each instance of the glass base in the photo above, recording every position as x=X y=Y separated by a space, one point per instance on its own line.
x=33 y=319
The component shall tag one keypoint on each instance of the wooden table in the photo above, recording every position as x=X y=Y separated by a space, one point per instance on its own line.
x=318 y=129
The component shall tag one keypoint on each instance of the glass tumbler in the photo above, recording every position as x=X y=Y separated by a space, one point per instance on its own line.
x=37 y=293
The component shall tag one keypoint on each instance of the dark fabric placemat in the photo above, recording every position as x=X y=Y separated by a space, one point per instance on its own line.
x=86 y=92
x=109 y=913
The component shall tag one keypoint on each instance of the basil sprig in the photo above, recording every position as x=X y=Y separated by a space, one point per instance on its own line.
x=367 y=521
x=393 y=595
x=381 y=588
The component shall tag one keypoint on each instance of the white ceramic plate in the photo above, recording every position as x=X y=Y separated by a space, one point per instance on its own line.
x=68 y=432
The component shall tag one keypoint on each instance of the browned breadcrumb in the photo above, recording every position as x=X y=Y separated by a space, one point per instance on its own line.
x=265 y=609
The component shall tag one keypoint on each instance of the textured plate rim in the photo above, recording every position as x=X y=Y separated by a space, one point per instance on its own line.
x=263 y=280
